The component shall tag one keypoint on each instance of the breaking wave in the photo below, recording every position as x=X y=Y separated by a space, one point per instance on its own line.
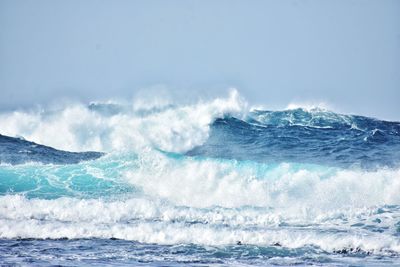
x=211 y=173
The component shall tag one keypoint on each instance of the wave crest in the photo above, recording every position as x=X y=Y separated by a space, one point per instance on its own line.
x=107 y=127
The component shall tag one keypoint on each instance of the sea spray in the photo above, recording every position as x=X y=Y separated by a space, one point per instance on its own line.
x=213 y=182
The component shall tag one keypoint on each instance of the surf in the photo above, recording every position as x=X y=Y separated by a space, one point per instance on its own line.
x=213 y=173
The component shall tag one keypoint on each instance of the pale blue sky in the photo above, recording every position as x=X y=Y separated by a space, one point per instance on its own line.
x=345 y=53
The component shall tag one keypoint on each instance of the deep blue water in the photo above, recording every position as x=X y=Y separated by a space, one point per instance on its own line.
x=200 y=185
x=89 y=252
x=19 y=151
x=298 y=136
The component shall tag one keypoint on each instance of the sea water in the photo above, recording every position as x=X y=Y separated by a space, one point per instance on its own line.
x=213 y=183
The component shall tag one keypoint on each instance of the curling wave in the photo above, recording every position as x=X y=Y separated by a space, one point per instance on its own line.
x=213 y=173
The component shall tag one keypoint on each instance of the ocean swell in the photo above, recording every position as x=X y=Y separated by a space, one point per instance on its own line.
x=214 y=173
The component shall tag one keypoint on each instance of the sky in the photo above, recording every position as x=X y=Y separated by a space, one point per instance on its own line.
x=344 y=53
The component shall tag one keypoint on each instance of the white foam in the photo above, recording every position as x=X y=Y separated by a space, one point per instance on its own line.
x=213 y=202
x=301 y=193
x=296 y=188
x=309 y=106
x=150 y=222
x=77 y=128
x=201 y=201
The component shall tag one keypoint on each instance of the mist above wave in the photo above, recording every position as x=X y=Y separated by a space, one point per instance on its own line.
x=111 y=126
x=220 y=128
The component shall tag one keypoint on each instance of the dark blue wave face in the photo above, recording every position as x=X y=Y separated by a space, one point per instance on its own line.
x=18 y=151
x=317 y=137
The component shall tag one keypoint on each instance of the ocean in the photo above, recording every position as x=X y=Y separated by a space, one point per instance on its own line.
x=211 y=183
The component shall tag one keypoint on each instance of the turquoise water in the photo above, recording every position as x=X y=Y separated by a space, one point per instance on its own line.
x=203 y=185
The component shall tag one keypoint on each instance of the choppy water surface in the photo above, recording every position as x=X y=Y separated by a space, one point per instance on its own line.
x=206 y=184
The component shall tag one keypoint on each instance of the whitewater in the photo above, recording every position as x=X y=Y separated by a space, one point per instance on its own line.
x=209 y=183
